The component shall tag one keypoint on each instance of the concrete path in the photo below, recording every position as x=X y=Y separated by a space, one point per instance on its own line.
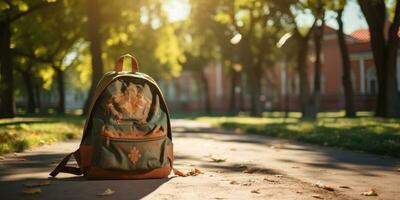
x=251 y=167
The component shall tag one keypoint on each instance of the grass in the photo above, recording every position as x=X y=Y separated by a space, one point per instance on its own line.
x=365 y=133
x=22 y=133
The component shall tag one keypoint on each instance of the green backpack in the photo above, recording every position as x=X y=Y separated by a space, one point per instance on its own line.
x=127 y=134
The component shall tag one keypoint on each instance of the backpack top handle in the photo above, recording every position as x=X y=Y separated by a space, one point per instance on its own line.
x=127 y=61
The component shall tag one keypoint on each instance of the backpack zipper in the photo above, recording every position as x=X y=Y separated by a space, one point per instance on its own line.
x=108 y=139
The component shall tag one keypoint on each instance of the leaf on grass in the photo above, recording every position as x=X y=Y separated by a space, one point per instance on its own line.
x=344 y=186
x=257 y=191
x=370 y=192
x=215 y=158
x=36 y=184
x=317 y=196
x=106 y=192
x=32 y=191
x=325 y=187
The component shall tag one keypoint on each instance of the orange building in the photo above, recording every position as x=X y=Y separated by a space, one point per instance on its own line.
x=183 y=93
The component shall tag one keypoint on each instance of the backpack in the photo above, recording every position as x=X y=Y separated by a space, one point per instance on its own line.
x=127 y=134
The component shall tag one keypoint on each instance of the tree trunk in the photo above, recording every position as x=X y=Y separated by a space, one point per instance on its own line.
x=385 y=55
x=38 y=97
x=302 y=52
x=315 y=99
x=30 y=106
x=206 y=92
x=346 y=68
x=7 y=101
x=61 y=90
x=232 y=100
x=94 y=19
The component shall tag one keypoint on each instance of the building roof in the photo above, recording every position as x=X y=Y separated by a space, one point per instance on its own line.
x=361 y=35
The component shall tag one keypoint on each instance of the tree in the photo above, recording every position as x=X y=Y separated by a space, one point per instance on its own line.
x=384 y=45
x=94 y=20
x=11 y=11
x=346 y=66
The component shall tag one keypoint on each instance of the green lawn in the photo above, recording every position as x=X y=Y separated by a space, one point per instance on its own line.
x=21 y=133
x=366 y=133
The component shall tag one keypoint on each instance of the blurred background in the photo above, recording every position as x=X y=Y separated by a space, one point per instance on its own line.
x=222 y=57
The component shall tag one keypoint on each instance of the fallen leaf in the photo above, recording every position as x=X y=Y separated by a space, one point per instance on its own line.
x=323 y=186
x=250 y=170
x=36 y=184
x=344 y=186
x=317 y=196
x=278 y=146
x=370 y=192
x=179 y=173
x=234 y=183
x=32 y=191
x=257 y=191
x=106 y=192
x=215 y=158
x=271 y=180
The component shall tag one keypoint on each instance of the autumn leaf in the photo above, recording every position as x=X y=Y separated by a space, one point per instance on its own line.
x=36 y=184
x=234 y=183
x=317 y=196
x=325 y=187
x=179 y=173
x=32 y=191
x=215 y=158
x=257 y=191
x=370 y=192
x=106 y=192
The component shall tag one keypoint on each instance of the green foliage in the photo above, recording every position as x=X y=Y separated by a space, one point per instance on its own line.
x=366 y=133
x=19 y=134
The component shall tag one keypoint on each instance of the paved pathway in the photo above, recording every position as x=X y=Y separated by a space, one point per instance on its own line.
x=256 y=167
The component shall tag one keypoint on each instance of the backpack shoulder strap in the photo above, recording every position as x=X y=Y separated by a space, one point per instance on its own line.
x=62 y=166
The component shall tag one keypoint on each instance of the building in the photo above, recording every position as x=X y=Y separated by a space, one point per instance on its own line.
x=279 y=83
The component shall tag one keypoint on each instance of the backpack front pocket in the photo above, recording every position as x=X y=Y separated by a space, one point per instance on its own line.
x=132 y=154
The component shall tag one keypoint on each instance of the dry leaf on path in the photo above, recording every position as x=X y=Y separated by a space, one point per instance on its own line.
x=193 y=172
x=370 y=192
x=323 y=186
x=257 y=191
x=271 y=180
x=234 y=183
x=179 y=173
x=36 y=184
x=215 y=158
x=32 y=191
x=250 y=170
x=317 y=196
x=106 y=192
